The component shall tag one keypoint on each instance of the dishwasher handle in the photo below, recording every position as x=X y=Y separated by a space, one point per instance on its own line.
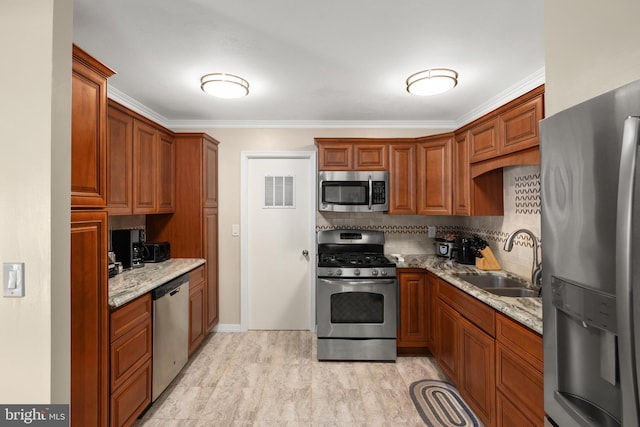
x=170 y=288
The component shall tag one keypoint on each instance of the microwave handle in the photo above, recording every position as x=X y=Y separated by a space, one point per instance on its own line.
x=370 y=193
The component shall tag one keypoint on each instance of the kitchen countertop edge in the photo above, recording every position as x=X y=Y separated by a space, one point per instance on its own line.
x=527 y=311
x=131 y=284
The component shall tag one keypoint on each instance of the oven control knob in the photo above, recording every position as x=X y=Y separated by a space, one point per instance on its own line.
x=374 y=272
x=384 y=272
x=356 y=272
x=338 y=272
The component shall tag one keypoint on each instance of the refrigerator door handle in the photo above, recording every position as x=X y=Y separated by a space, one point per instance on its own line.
x=624 y=274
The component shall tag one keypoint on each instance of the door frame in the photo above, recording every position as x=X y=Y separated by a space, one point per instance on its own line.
x=245 y=156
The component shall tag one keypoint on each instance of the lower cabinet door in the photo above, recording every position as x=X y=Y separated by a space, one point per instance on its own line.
x=132 y=397
x=196 y=315
x=478 y=382
x=448 y=330
x=508 y=415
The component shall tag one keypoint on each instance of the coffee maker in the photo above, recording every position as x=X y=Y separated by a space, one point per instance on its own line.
x=128 y=246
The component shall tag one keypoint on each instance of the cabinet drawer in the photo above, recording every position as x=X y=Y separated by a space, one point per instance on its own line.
x=128 y=316
x=520 y=381
x=521 y=340
x=131 y=399
x=477 y=312
x=196 y=276
x=129 y=352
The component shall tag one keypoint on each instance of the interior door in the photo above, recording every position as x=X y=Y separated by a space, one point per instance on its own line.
x=279 y=246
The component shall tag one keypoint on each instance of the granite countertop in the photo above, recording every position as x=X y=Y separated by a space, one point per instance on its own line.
x=130 y=284
x=527 y=311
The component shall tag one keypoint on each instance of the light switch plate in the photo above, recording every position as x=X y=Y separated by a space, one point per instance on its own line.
x=13 y=279
x=235 y=229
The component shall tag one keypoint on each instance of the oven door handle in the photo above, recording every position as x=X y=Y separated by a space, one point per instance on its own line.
x=356 y=282
x=370 y=192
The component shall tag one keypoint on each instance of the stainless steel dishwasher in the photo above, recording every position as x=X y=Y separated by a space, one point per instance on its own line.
x=170 y=332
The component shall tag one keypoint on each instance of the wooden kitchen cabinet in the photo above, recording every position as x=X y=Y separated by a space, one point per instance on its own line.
x=119 y=162
x=519 y=377
x=145 y=146
x=89 y=319
x=88 y=130
x=197 y=308
x=131 y=353
x=210 y=227
x=140 y=163
x=193 y=227
x=413 y=329
x=448 y=345
x=434 y=156
x=511 y=128
x=352 y=154
x=461 y=177
x=402 y=178
x=477 y=370
x=166 y=173
x=465 y=330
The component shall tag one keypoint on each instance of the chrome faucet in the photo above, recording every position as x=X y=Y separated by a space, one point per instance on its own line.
x=536 y=270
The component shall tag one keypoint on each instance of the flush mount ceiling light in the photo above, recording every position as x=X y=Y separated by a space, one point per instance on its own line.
x=432 y=82
x=224 y=85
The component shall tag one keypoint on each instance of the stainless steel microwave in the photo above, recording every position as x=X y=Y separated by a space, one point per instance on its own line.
x=350 y=191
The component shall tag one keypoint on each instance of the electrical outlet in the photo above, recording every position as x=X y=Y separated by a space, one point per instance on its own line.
x=13 y=279
x=431 y=231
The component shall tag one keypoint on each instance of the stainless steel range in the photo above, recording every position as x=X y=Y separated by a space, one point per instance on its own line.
x=356 y=297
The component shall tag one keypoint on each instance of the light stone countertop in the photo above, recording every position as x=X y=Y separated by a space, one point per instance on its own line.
x=131 y=284
x=527 y=311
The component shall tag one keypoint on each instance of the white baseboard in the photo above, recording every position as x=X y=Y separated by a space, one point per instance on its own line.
x=229 y=327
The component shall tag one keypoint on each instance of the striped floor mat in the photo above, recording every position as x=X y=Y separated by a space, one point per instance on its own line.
x=440 y=405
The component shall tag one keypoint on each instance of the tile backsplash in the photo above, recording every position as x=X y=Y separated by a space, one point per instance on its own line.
x=407 y=234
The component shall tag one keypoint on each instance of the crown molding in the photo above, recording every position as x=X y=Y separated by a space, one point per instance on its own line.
x=312 y=124
x=138 y=107
x=522 y=87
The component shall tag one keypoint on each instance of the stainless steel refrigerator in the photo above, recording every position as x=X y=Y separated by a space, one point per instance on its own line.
x=591 y=255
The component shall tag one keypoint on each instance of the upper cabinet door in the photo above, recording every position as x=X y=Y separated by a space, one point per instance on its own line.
x=370 y=157
x=434 y=176
x=88 y=130
x=144 y=168
x=335 y=156
x=166 y=189
x=484 y=140
x=119 y=162
x=461 y=176
x=520 y=126
x=402 y=178
x=210 y=175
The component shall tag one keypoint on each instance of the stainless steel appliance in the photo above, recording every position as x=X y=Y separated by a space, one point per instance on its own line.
x=157 y=252
x=591 y=275
x=125 y=244
x=170 y=332
x=349 y=191
x=445 y=248
x=356 y=297
x=465 y=252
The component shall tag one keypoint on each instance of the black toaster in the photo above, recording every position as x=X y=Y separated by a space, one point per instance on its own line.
x=156 y=252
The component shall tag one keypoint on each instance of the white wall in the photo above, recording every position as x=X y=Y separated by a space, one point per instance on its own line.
x=35 y=119
x=591 y=46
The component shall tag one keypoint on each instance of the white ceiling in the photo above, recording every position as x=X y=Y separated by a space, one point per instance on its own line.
x=310 y=63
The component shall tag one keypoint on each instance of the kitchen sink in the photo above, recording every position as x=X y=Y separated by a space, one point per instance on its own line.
x=490 y=281
x=512 y=292
x=500 y=285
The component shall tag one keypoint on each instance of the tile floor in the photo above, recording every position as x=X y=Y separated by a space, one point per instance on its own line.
x=272 y=378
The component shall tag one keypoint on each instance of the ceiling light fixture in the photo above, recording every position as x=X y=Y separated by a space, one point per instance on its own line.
x=432 y=82
x=224 y=85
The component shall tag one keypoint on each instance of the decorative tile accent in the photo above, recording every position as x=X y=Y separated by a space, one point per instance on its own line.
x=527 y=190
